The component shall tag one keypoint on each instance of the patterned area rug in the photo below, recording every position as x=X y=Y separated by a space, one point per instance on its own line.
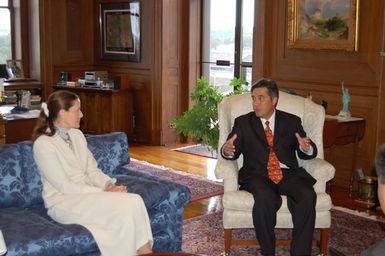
x=200 y=187
x=349 y=235
x=198 y=149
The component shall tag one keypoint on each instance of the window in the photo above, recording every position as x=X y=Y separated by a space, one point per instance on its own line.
x=227 y=41
x=5 y=32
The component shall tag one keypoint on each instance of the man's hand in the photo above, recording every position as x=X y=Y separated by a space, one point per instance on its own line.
x=229 y=148
x=303 y=142
x=113 y=188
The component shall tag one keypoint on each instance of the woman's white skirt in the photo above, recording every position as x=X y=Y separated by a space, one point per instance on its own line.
x=119 y=222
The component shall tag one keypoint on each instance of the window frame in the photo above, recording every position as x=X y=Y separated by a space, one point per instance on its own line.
x=238 y=64
x=12 y=26
x=20 y=32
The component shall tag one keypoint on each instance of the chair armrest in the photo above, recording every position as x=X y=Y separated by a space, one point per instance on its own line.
x=321 y=170
x=228 y=171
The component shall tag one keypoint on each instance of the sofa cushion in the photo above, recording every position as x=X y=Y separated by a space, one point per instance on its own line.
x=31 y=175
x=12 y=188
x=151 y=191
x=32 y=232
x=178 y=194
x=110 y=150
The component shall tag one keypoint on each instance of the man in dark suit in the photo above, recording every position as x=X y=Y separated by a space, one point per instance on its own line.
x=270 y=167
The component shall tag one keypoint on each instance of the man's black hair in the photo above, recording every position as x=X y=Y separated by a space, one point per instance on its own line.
x=268 y=83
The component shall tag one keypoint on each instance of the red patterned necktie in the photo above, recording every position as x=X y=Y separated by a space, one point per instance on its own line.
x=274 y=171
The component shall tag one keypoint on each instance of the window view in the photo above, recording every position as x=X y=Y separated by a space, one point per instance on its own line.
x=247 y=39
x=227 y=41
x=5 y=32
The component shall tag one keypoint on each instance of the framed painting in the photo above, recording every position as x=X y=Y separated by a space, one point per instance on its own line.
x=120 y=31
x=323 y=24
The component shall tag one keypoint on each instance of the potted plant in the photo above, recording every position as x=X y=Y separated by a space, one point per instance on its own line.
x=200 y=122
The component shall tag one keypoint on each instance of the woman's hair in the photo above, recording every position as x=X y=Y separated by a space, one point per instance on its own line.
x=57 y=101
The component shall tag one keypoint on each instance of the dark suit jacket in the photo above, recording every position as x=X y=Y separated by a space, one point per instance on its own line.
x=252 y=143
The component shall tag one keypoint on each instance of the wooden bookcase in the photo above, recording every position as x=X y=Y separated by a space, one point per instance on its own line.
x=105 y=110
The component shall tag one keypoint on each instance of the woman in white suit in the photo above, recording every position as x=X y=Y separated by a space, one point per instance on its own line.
x=76 y=191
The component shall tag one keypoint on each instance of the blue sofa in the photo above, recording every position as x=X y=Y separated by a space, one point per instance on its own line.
x=28 y=230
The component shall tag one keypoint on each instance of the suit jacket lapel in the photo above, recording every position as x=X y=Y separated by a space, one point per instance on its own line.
x=279 y=127
x=257 y=127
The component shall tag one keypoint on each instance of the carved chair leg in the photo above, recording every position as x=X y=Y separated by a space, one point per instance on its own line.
x=228 y=237
x=324 y=241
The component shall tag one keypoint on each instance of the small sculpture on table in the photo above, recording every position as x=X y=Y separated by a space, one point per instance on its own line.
x=345 y=102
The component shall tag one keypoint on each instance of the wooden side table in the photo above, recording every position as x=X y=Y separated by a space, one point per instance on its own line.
x=13 y=129
x=342 y=131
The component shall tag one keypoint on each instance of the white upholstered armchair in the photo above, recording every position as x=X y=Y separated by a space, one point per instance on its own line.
x=238 y=204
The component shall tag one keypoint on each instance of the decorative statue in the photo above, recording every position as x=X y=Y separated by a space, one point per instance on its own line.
x=345 y=102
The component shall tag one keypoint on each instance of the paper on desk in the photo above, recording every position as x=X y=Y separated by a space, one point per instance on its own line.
x=30 y=114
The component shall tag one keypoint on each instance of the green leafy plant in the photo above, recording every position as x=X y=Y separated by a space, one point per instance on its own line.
x=237 y=84
x=200 y=122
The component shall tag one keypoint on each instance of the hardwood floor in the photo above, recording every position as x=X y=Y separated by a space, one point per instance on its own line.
x=203 y=166
x=197 y=165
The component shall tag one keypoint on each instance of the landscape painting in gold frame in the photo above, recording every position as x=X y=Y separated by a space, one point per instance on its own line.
x=323 y=24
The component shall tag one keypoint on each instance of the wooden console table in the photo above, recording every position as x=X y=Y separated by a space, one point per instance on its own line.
x=340 y=131
x=105 y=110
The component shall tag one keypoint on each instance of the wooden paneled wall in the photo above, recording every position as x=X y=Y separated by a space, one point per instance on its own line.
x=70 y=37
x=320 y=72
x=66 y=38
x=141 y=75
x=169 y=65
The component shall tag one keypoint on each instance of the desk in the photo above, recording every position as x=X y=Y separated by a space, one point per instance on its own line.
x=13 y=129
x=339 y=131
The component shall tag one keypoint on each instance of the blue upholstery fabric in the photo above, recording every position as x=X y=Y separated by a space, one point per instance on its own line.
x=152 y=192
x=12 y=189
x=27 y=228
x=110 y=150
x=33 y=233
x=31 y=176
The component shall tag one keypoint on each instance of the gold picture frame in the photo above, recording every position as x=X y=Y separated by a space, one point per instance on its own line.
x=321 y=24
